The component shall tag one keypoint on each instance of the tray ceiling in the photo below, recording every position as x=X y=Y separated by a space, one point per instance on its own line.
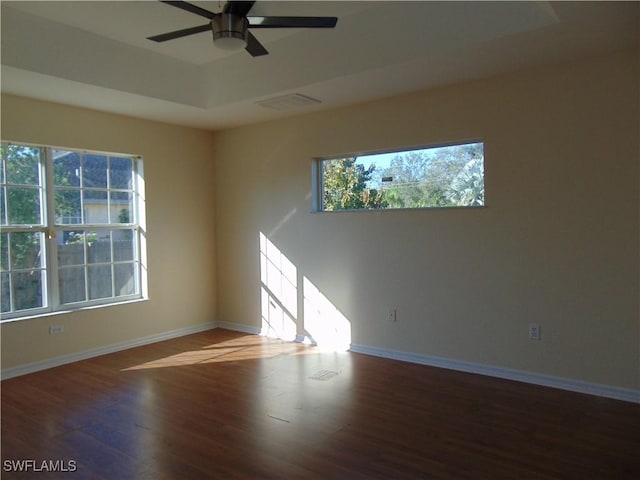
x=95 y=54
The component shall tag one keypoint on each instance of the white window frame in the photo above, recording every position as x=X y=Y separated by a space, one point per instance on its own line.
x=51 y=230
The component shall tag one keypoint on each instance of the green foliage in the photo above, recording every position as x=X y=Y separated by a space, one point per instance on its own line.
x=20 y=252
x=345 y=186
x=123 y=216
x=467 y=187
x=418 y=181
x=21 y=167
x=75 y=238
x=440 y=177
x=66 y=178
x=443 y=177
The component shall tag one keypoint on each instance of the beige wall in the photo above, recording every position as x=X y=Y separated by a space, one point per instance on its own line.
x=557 y=243
x=179 y=177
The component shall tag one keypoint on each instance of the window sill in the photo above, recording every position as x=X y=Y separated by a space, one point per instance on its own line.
x=71 y=310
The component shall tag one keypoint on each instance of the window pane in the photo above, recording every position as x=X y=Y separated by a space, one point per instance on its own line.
x=27 y=289
x=120 y=171
x=121 y=207
x=71 y=251
x=68 y=206
x=4 y=251
x=94 y=173
x=99 y=282
x=99 y=246
x=450 y=176
x=3 y=210
x=66 y=168
x=5 y=293
x=26 y=250
x=71 y=285
x=22 y=164
x=96 y=207
x=123 y=245
x=23 y=206
x=125 y=280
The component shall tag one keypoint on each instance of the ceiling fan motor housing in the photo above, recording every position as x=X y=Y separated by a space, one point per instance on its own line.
x=230 y=31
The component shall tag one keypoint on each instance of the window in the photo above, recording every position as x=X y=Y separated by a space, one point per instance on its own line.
x=445 y=176
x=71 y=229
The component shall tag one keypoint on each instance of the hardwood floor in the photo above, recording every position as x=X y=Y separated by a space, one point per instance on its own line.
x=223 y=404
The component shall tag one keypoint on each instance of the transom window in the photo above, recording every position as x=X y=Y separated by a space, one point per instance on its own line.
x=431 y=177
x=71 y=225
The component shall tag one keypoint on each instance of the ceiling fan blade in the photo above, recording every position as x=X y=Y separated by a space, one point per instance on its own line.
x=236 y=7
x=254 y=47
x=292 y=22
x=189 y=7
x=180 y=33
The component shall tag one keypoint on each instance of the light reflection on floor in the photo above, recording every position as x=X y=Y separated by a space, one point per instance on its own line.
x=249 y=347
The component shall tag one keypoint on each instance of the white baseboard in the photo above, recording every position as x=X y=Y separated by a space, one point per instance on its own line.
x=579 y=386
x=618 y=393
x=95 y=352
x=239 y=327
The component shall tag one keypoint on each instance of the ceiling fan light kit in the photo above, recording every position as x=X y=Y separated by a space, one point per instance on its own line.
x=230 y=31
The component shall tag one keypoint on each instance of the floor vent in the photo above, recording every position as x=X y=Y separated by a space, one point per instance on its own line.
x=323 y=375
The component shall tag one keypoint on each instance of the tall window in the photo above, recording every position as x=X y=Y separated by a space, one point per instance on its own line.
x=430 y=177
x=70 y=229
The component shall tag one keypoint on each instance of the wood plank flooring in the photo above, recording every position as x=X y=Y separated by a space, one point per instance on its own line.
x=227 y=405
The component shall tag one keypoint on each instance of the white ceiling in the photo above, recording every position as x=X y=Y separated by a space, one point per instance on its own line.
x=95 y=54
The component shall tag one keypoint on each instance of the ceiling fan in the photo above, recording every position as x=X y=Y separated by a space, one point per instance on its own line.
x=231 y=27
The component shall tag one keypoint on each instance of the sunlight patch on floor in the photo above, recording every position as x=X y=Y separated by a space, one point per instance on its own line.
x=250 y=347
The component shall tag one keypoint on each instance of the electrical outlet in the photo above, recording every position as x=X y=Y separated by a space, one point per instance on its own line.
x=393 y=318
x=56 y=329
x=534 y=331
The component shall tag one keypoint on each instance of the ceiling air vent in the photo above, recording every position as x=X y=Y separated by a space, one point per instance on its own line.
x=288 y=102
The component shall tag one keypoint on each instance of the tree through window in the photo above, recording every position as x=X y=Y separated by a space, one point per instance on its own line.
x=448 y=176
